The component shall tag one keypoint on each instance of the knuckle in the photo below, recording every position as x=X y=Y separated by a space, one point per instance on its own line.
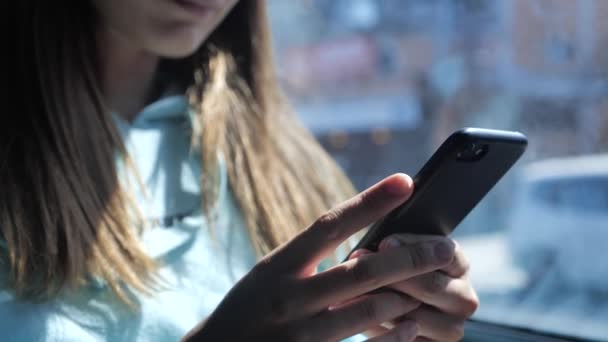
x=366 y=198
x=328 y=218
x=403 y=303
x=418 y=256
x=279 y=306
x=434 y=283
x=328 y=222
x=372 y=310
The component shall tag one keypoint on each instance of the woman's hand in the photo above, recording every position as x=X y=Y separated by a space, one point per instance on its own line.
x=447 y=295
x=284 y=299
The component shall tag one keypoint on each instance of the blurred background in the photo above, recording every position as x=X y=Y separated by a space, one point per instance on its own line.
x=382 y=83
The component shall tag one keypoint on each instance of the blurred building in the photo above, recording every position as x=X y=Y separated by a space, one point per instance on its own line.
x=559 y=66
x=418 y=69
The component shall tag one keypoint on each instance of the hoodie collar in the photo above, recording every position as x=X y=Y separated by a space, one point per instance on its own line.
x=168 y=108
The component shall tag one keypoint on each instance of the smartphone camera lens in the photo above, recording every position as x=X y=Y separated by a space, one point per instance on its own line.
x=472 y=152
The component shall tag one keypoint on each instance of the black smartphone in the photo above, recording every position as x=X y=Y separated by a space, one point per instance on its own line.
x=453 y=181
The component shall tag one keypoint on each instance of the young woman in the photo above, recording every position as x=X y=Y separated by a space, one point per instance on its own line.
x=151 y=159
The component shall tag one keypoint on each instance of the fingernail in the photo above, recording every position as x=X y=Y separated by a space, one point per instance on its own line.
x=389 y=243
x=399 y=185
x=358 y=253
x=444 y=251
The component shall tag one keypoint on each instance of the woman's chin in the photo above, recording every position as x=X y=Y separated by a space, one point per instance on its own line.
x=176 y=52
x=179 y=48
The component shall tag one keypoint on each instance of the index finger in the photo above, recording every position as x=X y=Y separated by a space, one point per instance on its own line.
x=332 y=228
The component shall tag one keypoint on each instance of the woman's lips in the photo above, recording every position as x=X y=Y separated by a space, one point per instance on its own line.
x=197 y=7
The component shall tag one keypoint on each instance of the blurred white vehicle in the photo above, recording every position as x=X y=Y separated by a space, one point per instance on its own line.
x=560 y=219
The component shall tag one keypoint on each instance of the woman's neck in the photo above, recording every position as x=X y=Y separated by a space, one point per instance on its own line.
x=127 y=74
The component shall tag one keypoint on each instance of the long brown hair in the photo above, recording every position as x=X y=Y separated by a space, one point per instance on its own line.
x=66 y=215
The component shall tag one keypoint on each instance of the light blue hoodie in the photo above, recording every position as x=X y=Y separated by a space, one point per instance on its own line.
x=199 y=268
